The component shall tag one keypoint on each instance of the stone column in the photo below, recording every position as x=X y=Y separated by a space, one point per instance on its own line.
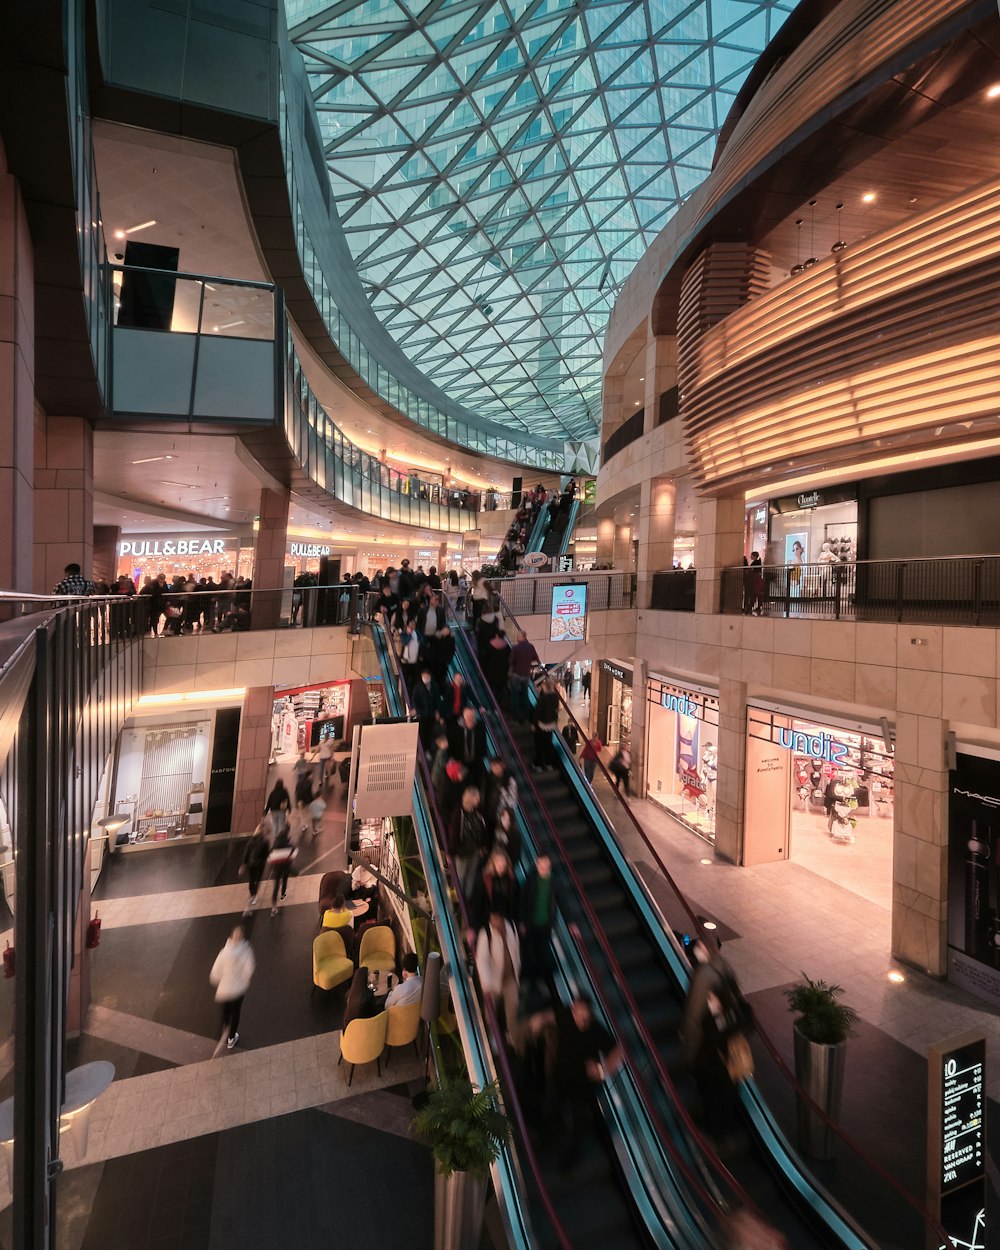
x=612 y=399
x=17 y=387
x=63 y=499
x=920 y=843
x=623 y=548
x=655 y=533
x=269 y=558
x=106 y=539
x=605 y=540
x=637 y=779
x=731 y=782
x=661 y=375
x=719 y=545
x=253 y=758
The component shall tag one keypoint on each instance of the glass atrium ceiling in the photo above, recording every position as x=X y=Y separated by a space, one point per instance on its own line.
x=499 y=166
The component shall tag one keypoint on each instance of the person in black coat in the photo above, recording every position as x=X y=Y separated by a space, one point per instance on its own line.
x=255 y=861
x=538 y=909
x=426 y=700
x=440 y=653
x=546 y=722
x=496 y=666
x=467 y=743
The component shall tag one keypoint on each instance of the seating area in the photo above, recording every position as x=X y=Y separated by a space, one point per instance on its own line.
x=337 y=953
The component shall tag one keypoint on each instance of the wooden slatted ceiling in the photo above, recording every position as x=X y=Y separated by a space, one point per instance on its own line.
x=895 y=345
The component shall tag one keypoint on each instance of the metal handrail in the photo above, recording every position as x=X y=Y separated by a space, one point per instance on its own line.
x=849 y=1141
x=181 y=275
x=617 y=969
x=499 y=1046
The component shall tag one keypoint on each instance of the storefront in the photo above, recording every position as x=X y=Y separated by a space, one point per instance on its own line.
x=973 y=871
x=813 y=527
x=206 y=555
x=306 y=716
x=819 y=792
x=614 y=705
x=304 y=557
x=174 y=774
x=682 y=752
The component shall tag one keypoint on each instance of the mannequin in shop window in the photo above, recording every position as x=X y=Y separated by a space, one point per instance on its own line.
x=795 y=569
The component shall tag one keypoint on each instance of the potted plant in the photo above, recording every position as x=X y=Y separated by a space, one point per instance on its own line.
x=466 y=1130
x=822 y=1026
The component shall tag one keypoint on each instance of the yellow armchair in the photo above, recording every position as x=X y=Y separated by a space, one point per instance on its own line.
x=377 y=952
x=331 y=966
x=402 y=1026
x=362 y=1041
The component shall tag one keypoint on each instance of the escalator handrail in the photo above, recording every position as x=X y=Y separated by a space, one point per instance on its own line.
x=927 y=1217
x=574 y=512
x=500 y=1052
x=618 y=971
x=537 y=535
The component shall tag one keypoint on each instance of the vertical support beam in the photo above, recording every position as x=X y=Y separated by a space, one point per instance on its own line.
x=605 y=541
x=106 y=538
x=719 y=545
x=920 y=837
x=657 y=508
x=661 y=375
x=269 y=557
x=63 y=498
x=253 y=758
x=17 y=386
x=730 y=787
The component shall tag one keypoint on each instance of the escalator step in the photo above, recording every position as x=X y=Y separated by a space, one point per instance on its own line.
x=608 y=897
x=634 y=953
x=593 y=872
x=648 y=982
x=662 y=1019
x=624 y=926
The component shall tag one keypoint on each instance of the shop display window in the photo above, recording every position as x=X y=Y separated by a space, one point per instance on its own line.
x=682 y=753
x=161 y=776
x=304 y=717
x=840 y=799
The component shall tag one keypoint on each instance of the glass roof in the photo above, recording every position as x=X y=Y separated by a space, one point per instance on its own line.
x=499 y=166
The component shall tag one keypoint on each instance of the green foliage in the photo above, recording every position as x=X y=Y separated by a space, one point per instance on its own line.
x=820 y=1017
x=464 y=1128
x=493 y=572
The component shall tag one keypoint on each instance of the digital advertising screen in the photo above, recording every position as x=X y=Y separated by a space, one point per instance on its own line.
x=569 y=613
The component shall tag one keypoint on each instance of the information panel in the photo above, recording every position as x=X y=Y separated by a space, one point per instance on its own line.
x=962 y=1121
x=569 y=613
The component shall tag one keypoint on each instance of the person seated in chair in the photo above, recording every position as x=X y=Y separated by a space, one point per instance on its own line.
x=360 y=998
x=411 y=987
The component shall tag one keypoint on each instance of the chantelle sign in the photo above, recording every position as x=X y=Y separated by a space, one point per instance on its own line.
x=172 y=547
x=821 y=746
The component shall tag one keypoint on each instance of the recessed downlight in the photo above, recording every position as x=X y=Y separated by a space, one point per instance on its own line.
x=869 y=197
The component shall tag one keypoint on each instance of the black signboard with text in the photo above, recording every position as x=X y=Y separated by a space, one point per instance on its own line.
x=956 y=1138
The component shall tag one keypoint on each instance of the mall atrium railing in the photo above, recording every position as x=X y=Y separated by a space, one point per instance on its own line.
x=70 y=671
x=673 y=590
x=963 y=590
x=221 y=360
x=530 y=594
x=351 y=475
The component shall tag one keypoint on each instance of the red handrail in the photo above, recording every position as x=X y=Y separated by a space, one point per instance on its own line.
x=849 y=1141
x=612 y=959
x=499 y=1047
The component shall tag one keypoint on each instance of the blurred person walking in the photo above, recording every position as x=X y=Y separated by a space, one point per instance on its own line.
x=231 y=975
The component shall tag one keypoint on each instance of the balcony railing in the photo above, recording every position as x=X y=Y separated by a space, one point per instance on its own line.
x=963 y=590
x=531 y=595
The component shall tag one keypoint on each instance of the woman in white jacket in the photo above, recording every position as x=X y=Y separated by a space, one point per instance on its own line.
x=231 y=975
x=498 y=959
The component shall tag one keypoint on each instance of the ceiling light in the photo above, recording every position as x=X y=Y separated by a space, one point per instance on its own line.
x=709 y=924
x=869 y=197
x=190 y=696
x=151 y=459
x=642 y=379
x=637 y=403
x=119 y=234
x=143 y=225
x=993 y=92
x=229 y=325
x=895 y=976
x=704 y=861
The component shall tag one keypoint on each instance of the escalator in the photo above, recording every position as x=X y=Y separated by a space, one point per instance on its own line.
x=626 y=1191
x=539 y=529
x=559 y=532
x=641 y=974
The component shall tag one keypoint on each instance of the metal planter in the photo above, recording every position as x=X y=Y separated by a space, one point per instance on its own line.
x=819 y=1070
x=459 y=1203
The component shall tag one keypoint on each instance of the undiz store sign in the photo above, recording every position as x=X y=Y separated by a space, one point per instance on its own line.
x=137 y=547
x=821 y=746
x=678 y=703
